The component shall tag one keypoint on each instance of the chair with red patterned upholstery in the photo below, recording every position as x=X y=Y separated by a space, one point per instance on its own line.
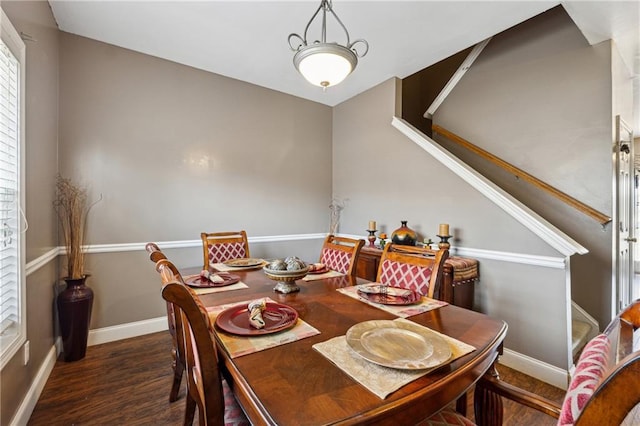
x=415 y=268
x=604 y=389
x=341 y=254
x=205 y=385
x=219 y=247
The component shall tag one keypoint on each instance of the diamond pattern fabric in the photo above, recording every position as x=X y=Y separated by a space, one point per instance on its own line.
x=222 y=252
x=407 y=276
x=590 y=369
x=337 y=260
x=233 y=414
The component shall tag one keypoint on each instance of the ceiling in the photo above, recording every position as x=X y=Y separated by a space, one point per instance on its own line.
x=247 y=40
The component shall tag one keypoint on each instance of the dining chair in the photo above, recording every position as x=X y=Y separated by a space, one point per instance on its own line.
x=411 y=267
x=341 y=254
x=154 y=251
x=205 y=385
x=603 y=389
x=169 y=271
x=222 y=246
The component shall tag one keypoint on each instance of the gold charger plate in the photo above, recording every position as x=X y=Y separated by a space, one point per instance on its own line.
x=398 y=344
x=243 y=262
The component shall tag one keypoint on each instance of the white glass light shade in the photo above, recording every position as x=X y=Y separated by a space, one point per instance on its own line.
x=325 y=64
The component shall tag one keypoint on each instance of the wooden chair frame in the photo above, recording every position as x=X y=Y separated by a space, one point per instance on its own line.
x=169 y=272
x=204 y=383
x=616 y=394
x=419 y=256
x=347 y=245
x=154 y=251
x=213 y=238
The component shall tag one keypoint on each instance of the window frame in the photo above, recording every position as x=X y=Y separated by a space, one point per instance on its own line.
x=10 y=344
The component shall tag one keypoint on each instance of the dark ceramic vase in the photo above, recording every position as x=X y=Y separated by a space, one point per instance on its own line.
x=404 y=235
x=74 y=313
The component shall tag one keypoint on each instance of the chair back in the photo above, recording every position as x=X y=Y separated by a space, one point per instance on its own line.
x=415 y=268
x=168 y=273
x=222 y=246
x=341 y=254
x=605 y=385
x=154 y=251
x=204 y=382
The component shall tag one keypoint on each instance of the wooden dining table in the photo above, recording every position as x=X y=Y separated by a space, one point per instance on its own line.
x=293 y=384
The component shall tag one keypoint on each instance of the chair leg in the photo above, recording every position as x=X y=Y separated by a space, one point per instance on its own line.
x=178 y=369
x=487 y=404
x=189 y=410
x=461 y=404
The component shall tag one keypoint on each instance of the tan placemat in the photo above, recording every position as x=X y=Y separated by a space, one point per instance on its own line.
x=221 y=267
x=402 y=311
x=378 y=379
x=244 y=345
x=329 y=274
x=207 y=290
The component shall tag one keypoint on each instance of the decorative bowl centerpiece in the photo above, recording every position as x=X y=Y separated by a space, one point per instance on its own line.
x=286 y=272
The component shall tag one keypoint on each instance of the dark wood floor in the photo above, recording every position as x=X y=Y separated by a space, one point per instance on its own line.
x=127 y=383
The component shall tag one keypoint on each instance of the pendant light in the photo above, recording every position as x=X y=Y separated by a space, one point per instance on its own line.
x=325 y=63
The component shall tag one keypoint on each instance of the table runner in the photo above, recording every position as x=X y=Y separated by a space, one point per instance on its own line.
x=402 y=311
x=244 y=345
x=329 y=274
x=221 y=267
x=380 y=380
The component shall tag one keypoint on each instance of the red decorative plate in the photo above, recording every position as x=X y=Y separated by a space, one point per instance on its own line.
x=409 y=297
x=200 y=282
x=277 y=317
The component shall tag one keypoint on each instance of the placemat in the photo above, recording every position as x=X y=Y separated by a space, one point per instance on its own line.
x=221 y=267
x=243 y=345
x=329 y=274
x=378 y=379
x=402 y=311
x=207 y=290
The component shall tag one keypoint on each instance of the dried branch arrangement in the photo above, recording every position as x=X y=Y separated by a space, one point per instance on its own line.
x=72 y=208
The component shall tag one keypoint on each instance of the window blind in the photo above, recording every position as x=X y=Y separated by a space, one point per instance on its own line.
x=9 y=201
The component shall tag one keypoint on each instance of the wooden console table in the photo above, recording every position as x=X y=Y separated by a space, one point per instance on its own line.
x=459 y=276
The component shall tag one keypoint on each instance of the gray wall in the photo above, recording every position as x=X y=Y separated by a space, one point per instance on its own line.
x=386 y=177
x=175 y=151
x=540 y=98
x=36 y=20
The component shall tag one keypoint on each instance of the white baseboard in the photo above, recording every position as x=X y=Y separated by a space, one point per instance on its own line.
x=537 y=369
x=37 y=385
x=125 y=331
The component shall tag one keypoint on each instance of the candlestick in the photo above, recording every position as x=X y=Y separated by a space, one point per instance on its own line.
x=443 y=229
x=444 y=241
x=372 y=236
x=372 y=224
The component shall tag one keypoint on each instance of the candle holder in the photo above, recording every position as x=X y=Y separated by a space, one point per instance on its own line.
x=372 y=237
x=444 y=241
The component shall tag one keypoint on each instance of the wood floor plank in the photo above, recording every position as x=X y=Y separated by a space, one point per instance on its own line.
x=127 y=383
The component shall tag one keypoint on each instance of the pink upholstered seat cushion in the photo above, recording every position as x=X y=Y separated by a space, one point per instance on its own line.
x=589 y=371
x=226 y=251
x=446 y=417
x=233 y=414
x=337 y=260
x=407 y=276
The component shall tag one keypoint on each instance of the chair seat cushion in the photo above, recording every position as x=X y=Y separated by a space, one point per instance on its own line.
x=589 y=371
x=233 y=414
x=447 y=417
